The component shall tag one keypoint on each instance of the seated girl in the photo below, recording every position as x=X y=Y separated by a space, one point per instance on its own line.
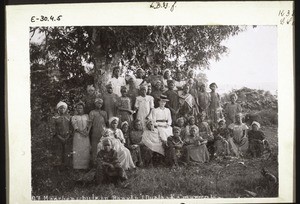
x=239 y=140
x=205 y=133
x=180 y=122
x=257 y=141
x=195 y=147
x=174 y=148
x=221 y=144
x=153 y=141
x=133 y=147
x=109 y=168
x=118 y=141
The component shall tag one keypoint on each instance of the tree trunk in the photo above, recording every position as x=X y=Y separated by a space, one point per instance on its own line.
x=101 y=67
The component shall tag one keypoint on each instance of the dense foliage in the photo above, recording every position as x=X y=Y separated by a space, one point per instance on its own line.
x=70 y=58
x=258 y=104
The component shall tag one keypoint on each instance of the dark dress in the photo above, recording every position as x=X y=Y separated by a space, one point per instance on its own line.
x=173 y=103
x=156 y=95
x=98 y=119
x=89 y=101
x=62 y=151
x=109 y=173
x=173 y=150
x=125 y=102
x=135 y=137
x=221 y=145
x=110 y=104
x=257 y=143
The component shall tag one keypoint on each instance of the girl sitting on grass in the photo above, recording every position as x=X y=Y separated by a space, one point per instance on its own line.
x=221 y=144
x=174 y=148
x=239 y=140
x=109 y=168
x=133 y=147
x=257 y=141
x=152 y=140
x=195 y=147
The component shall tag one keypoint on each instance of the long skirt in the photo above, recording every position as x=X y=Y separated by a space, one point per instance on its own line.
x=238 y=149
x=165 y=132
x=221 y=148
x=81 y=151
x=62 y=152
x=197 y=153
x=125 y=158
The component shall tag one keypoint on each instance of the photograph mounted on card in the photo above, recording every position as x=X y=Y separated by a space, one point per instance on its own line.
x=173 y=101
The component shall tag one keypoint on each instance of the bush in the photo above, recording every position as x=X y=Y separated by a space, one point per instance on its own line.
x=268 y=117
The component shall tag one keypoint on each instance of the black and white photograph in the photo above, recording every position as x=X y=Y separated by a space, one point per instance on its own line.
x=154 y=111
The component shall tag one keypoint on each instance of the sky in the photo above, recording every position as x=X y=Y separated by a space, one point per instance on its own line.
x=251 y=61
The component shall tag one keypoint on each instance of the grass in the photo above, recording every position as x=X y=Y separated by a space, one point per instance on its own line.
x=225 y=178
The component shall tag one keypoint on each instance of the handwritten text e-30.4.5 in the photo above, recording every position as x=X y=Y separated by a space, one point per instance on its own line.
x=42 y=18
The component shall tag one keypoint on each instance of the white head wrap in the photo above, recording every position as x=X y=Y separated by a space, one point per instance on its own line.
x=112 y=119
x=255 y=123
x=61 y=103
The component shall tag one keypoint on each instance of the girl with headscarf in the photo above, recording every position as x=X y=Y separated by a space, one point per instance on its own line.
x=239 y=140
x=162 y=119
x=152 y=141
x=61 y=132
x=98 y=118
x=118 y=141
x=81 y=140
x=257 y=140
x=232 y=109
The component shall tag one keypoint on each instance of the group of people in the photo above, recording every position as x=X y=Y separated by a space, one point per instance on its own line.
x=140 y=120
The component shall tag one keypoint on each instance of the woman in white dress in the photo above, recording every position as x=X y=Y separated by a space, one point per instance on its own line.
x=81 y=140
x=143 y=105
x=162 y=118
x=118 y=141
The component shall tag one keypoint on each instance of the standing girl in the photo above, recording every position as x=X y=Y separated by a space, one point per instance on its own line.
x=124 y=107
x=214 y=109
x=232 y=109
x=143 y=104
x=61 y=134
x=81 y=140
x=98 y=118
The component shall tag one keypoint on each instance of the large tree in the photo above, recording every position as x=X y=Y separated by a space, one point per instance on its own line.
x=69 y=58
